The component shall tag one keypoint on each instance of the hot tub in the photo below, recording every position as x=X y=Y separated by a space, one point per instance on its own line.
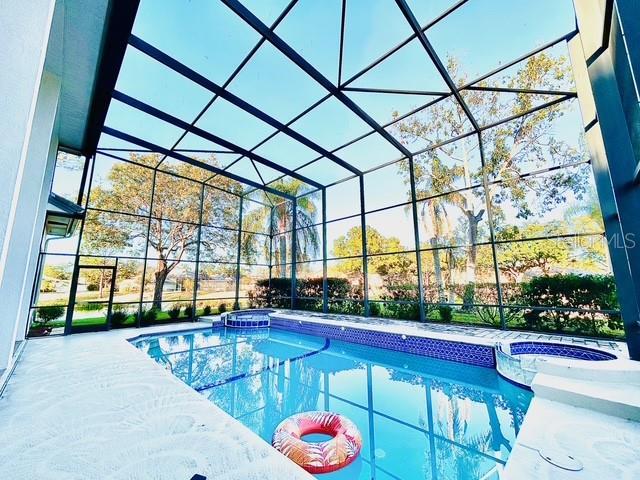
x=255 y=318
x=516 y=361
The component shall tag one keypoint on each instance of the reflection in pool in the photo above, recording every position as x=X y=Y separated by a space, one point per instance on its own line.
x=420 y=418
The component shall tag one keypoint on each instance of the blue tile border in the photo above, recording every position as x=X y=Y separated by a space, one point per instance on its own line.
x=468 y=353
x=237 y=323
x=560 y=350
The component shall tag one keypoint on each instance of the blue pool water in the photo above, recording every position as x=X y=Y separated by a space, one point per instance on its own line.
x=420 y=418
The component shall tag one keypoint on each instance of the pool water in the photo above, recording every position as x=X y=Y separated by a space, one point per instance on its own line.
x=420 y=418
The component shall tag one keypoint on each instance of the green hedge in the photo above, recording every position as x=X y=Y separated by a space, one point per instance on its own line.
x=585 y=292
x=534 y=299
x=277 y=293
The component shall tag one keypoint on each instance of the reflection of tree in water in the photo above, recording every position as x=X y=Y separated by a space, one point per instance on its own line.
x=453 y=461
x=195 y=367
x=262 y=397
x=454 y=427
x=155 y=351
x=246 y=397
x=283 y=397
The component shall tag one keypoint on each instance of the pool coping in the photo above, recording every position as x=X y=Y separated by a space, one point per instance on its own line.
x=398 y=329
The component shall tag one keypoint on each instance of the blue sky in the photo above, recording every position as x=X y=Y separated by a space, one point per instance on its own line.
x=209 y=38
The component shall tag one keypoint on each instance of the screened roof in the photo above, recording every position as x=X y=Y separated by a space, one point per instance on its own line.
x=263 y=90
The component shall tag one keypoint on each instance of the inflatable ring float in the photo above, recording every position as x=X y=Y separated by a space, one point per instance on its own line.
x=318 y=457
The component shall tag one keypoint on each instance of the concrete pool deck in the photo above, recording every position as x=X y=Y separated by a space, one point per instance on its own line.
x=605 y=445
x=93 y=406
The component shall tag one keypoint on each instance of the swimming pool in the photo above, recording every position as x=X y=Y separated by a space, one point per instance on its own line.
x=420 y=418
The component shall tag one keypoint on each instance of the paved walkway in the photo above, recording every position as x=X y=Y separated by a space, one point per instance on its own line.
x=472 y=331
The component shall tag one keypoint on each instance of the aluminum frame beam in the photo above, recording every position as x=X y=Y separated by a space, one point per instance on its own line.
x=213 y=87
x=415 y=26
x=148 y=109
x=613 y=160
x=255 y=23
x=196 y=163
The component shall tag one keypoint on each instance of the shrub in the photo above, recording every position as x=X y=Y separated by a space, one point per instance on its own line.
x=222 y=308
x=346 y=307
x=408 y=297
x=206 y=310
x=49 y=314
x=119 y=315
x=188 y=311
x=468 y=296
x=446 y=313
x=149 y=317
x=174 y=311
x=277 y=293
x=309 y=304
x=490 y=315
x=402 y=311
x=586 y=292
x=93 y=287
x=89 y=307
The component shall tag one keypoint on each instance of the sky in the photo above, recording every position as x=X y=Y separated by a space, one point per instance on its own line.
x=210 y=39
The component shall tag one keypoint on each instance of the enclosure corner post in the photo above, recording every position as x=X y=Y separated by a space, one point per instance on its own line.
x=236 y=304
x=365 y=272
x=325 y=281
x=294 y=253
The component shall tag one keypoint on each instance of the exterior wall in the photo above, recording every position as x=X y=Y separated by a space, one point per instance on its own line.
x=26 y=123
x=36 y=234
x=625 y=46
x=612 y=157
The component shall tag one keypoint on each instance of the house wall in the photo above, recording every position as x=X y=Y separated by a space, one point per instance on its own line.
x=28 y=102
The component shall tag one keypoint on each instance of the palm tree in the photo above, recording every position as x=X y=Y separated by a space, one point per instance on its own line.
x=279 y=221
x=436 y=225
x=435 y=178
x=509 y=148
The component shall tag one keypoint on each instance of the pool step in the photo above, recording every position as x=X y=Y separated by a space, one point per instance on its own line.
x=611 y=398
x=618 y=371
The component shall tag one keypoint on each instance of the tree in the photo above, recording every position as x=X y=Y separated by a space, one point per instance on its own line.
x=56 y=272
x=98 y=279
x=394 y=269
x=101 y=277
x=174 y=205
x=279 y=219
x=511 y=148
x=517 y=258
x=586 y=218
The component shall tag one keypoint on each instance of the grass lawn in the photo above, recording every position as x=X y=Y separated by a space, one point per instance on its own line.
x=90 y=323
